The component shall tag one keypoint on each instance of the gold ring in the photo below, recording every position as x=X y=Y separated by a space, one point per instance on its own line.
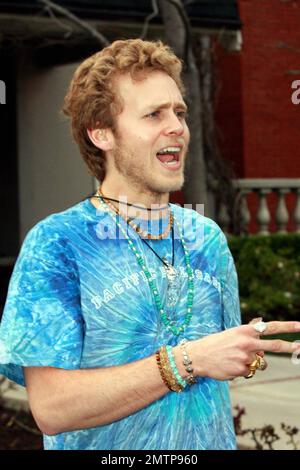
x=258 y=363
x=262 y=365
x=250 y=375
x=255 y=364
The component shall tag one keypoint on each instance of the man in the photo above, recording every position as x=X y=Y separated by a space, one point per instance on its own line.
x=122 y=313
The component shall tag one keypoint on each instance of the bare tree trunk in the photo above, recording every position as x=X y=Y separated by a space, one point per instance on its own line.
x=220 y=174
x=177 y=32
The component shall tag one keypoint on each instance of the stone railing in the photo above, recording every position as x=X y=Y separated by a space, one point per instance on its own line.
x=281 y=187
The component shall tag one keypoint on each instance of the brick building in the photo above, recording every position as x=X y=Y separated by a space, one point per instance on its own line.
x=258 y=120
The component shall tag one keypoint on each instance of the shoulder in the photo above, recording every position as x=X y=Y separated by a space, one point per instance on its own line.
x=190 y=215
x=197 y=227
x=58 y=225
x=52 y=236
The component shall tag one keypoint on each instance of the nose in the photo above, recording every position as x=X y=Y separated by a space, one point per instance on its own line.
x=174 y=125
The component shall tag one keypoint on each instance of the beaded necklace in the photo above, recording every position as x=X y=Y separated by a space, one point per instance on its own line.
x=171 y=272
x=135 y=227
x=169 y=324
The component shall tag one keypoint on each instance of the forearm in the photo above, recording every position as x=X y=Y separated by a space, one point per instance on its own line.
x=63 y=400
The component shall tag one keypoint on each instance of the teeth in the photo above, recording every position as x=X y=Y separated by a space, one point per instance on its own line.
x=170 y=150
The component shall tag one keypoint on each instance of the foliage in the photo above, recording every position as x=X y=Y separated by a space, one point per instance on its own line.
x=269 y=275
x=265 y=437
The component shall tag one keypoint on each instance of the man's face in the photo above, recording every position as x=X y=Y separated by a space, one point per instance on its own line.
x=152 y=121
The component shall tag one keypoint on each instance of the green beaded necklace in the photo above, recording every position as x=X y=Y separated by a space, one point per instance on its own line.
x=169 y=324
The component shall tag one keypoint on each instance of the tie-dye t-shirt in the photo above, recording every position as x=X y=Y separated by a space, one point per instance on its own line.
x=78 y=299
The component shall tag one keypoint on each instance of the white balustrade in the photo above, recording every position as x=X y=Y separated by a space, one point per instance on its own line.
x=281 y=187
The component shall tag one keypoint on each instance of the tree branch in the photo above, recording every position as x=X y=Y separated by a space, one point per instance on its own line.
x=83 y=24
x=186 y=24
x=149 y=18
x=178 y=36
x=68 y=28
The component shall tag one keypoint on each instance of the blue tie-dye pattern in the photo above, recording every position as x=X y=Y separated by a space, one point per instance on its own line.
x=53 y=317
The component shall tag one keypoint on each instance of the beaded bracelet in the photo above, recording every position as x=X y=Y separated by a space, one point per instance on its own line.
x=166 y=371
x=158 y=360
x=180 y=380
x=171 y=378
x=191 y=380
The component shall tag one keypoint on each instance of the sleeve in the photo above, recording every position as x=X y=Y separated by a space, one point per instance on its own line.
x=231 y=314
x=42 y=323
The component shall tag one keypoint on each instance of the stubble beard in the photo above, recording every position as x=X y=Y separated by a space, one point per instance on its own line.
x=138 y=177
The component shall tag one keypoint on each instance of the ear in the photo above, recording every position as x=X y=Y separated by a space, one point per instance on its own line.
x=101 y=138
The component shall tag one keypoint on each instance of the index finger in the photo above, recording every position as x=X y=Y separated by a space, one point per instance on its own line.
x=275 y=327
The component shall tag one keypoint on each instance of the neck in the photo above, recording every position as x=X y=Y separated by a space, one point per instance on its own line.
x=129 y=198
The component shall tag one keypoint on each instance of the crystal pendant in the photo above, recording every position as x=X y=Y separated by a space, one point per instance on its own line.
x=173 y=289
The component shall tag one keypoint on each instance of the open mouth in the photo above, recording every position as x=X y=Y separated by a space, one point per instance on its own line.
x=169 y=157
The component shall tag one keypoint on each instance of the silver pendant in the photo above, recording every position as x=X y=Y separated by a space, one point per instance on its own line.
x=171 y=272
x=173 y=289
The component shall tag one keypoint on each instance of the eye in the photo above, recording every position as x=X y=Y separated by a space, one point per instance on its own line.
x=152 y=115
x=181 y=114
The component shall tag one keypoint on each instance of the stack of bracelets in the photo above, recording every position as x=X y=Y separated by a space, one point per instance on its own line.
x=168 y=370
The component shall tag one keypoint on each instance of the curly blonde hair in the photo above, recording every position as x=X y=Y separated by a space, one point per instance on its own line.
x=92 y=100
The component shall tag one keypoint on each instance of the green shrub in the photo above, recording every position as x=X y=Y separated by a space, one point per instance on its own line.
x=269 y=275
